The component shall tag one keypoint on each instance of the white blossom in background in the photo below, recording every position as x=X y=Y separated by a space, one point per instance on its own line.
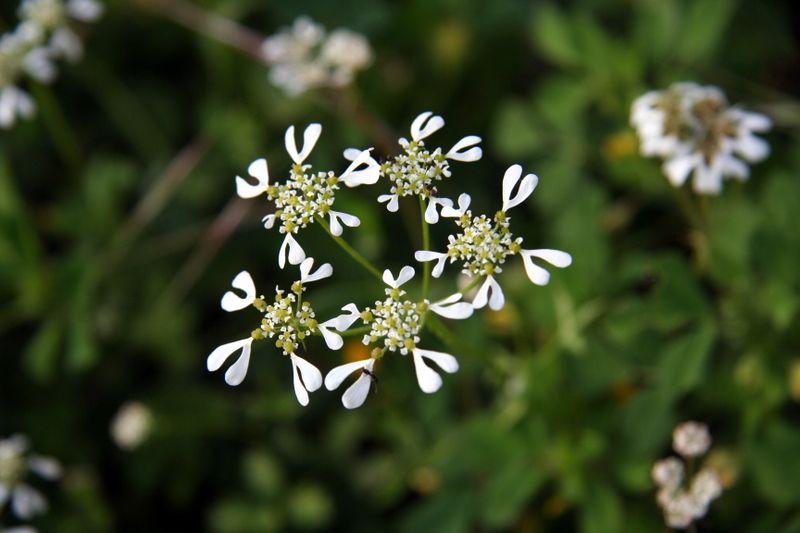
x=131 y=425
x=685 y=498
x=15 y=464
x=306 y=196
x=305 y=57
x=484 y=243
x=417 y=170
x=395 y=325
x=289 y=319
x=697 y=133
x=43 y=35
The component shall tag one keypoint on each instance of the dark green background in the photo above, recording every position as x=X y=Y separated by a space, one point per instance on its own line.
x=563 y=401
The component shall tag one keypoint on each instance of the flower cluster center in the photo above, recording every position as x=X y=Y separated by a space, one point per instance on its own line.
x=483 y=243
x=304 y=196
x=414 y=171
x=286 y=321
x=396 y=320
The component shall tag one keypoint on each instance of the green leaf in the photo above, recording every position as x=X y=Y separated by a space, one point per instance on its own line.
x=775 y=465
x=554 y=37
x=685 y=361
x=41 y=354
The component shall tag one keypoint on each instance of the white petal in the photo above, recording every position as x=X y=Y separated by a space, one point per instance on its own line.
x=431 y=214
x=537 y=274
x=463 y=204
x=269 y=221
x=5 y=492
x=419 y=132
x=351 y=221
x=752 y=148
x=232 y=301
x=351 y=154
x=306 y=276
x=338 y=374
x=312 y=377
x=295 y=255
x=356 y=394
x=344 y=321
x=458 y=153
x=446 y=362
x=678 y=168
x=46 y=467
x=364 y=176
x=452 y=308
x=440 y=258
x=85 y=10
x=310 y=137
x=27 y=502
x=236 y=373
x=332 y=340
x=259 y=170
x=510 y=180
x=734 y=167
x=406 y=273
x=708 y=178
x=490 y=292
x=393 y=201
x=557 y=258
x=429 y=380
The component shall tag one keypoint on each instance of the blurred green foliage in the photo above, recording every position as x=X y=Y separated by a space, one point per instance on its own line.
x=110 y=279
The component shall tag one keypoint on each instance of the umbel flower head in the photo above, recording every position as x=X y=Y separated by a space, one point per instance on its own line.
x=698 y=134
x=15 y=463
x=306 y=196
x=395 y=324
x=416 y=170
x=288 y=319
x=484 y=243
x=304 y=56
x=682 y=497
x=52 y=18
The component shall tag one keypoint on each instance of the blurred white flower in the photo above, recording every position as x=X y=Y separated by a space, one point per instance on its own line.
x=306 y=196
x=484 y=243
x=289 y=319
x=15 y=463
x=131 y=425
x=691 y=439
x=14 y=102
x=304 y=57
x=683 y=499
x=52 y=17
x=697 y=133
x=416 y=170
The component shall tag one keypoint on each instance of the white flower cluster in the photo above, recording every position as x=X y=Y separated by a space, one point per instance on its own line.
x=393 y=324
x=42 y=36
x=483 y=244
x=685 y=500
x=15 y=463
x=694 y=130
x=304 y=56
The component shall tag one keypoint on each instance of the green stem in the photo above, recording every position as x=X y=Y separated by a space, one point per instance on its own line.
x=355 y=331
x=474 y=283
x=426 y=245
x=60 y=129
x=360 y=259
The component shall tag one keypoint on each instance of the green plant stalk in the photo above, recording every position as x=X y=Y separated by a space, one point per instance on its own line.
x=352 y=252
x=58 y=126
x=426 y=245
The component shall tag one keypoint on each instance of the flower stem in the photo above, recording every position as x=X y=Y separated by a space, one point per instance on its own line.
x=60 y=129
x=474 y=283
x=355 y=331
x=426 y=245
x=352 y=252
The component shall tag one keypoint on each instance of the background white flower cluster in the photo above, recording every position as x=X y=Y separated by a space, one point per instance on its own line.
x=43 y=36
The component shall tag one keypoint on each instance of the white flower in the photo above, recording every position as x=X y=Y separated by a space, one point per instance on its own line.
x=395 y=324
x=484 y=243
x=14 y=103
x=306 y=196
x=416 y=170
x=15 y=463
x=691 y=439
x=289 y=319
x=131 y=425
x=696 y=133
x=668 y=472
x=52 y=17
x=706 y=486
x=304 y=57
x=17 y=56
